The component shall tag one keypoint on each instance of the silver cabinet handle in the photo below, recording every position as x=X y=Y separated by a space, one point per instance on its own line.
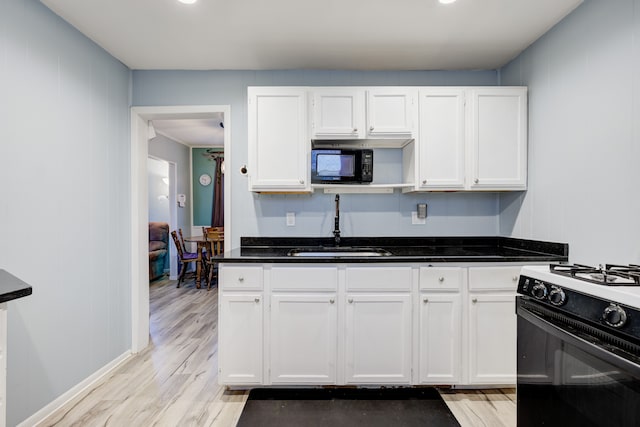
x=425 y=300
x=474 y=300
x=332 y=301
x=515 y=278
x=441 y=279
x=350 y=300
x=257 y=300
x=371 y=128
x=355 y=130
x=240 y=279
x=476 y=180
x=424 y=181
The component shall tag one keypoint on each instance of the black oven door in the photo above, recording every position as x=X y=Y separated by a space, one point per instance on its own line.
x=568 y=378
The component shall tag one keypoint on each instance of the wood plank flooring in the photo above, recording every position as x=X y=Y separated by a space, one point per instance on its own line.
x=174 y=381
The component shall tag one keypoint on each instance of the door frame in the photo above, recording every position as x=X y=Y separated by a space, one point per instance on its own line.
x=140 y=117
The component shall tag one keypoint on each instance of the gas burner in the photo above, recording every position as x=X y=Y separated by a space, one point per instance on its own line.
x=610 y=275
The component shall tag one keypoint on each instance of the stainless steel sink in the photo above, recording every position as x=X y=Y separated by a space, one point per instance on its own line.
x=339 y=251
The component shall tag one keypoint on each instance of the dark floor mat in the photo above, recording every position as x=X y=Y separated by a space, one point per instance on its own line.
x=336 y=407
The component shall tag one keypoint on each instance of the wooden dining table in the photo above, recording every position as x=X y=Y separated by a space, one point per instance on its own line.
x=202 y=243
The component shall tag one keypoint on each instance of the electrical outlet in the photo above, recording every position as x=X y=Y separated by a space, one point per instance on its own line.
x=417 y=221
x=291 y=219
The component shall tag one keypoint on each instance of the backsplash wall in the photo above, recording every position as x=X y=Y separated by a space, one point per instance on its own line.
x=584 y=135
x=370 y=215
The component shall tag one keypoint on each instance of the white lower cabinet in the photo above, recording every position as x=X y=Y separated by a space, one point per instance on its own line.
x=492 y=325
x=303 y=338
x=240 y=338
x=440 y=351
x=378 y=339
x=367 y=324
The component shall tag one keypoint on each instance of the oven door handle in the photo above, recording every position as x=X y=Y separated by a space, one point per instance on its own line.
x=591 y=348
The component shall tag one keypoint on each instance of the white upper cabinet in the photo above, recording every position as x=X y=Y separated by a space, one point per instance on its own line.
x=497 y=138
x=279 y=146
x=391 y=112
x=338 y=113
x=360 y=113
x=441 y=144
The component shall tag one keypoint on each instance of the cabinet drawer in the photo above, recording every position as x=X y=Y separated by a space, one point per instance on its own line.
x=378 y=278
x=494 y=278
x=441 y=279
x=304 y=278
x=240 y=278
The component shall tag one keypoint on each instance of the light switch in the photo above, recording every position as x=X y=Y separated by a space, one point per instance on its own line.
x=291 y=219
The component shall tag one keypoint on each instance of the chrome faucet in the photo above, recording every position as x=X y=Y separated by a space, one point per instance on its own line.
x=336 y=222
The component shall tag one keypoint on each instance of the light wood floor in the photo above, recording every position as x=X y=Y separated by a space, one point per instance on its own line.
x=174 y=381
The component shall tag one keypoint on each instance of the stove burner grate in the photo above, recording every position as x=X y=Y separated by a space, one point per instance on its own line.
x=610 y=275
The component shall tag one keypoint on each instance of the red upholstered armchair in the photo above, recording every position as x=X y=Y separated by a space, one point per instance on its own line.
x=158 y=247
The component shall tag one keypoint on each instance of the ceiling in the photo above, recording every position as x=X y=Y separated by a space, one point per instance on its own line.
x=304 y=34
x=193 y=132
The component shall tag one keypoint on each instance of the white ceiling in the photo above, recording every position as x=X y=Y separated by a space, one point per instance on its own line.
x=192 y=132
x=304 y=34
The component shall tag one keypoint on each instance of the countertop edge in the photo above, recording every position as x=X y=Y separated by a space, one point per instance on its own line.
x=12 y=288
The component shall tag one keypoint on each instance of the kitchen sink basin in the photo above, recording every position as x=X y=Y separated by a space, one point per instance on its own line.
x=338 y=251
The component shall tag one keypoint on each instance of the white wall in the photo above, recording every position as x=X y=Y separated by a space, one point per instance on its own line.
x=158 y=186
x=584 y=135
x=362 y=215
x=64 y=204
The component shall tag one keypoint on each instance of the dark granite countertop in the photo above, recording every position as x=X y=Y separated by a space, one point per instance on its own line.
x=12 y=288
x=401 y=249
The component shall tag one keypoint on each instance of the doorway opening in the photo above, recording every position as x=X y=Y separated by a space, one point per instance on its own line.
x=140 y=135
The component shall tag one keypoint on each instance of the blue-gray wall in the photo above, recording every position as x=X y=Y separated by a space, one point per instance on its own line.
x=64 y=204
x=584 y=135
x=371 y=215
x=171 y=151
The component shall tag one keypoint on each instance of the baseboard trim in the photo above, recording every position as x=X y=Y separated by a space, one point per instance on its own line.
x=76 y=391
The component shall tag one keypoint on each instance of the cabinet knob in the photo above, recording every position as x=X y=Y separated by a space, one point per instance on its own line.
x=424 y=181
x=425 y=300
x=302 y=181
x=441 y=279
x=474 y=300
x=515 y=278
x=332 y=301
x=350 y=300
x=476 y=180
x=240 y=279
x=371 y=128
x=355 y=130
x=257 y=300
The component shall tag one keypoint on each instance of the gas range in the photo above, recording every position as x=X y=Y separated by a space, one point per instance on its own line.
x=608 y=298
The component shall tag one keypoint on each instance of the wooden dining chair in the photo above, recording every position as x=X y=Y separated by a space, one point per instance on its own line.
x=215 y=240
x=186 y=257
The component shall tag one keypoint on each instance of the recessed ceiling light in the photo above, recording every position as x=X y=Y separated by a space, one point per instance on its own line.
x=188 y=1
x=447 y=1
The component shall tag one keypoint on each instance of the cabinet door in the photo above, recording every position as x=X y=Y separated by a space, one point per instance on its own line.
x=240 y=342
x=378 y=339
x=303 y=339
x=440 y=338
x=498 y=138
x=390 y=112
x=441 y=144
x=338 y=113
x=492 y=339
x=278 y=139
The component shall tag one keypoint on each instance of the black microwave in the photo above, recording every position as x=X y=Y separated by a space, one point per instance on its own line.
x=337 y=166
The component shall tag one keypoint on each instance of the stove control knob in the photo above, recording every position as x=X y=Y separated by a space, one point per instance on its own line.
x=539 y=291
x=614 y=316
x=557 y=296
